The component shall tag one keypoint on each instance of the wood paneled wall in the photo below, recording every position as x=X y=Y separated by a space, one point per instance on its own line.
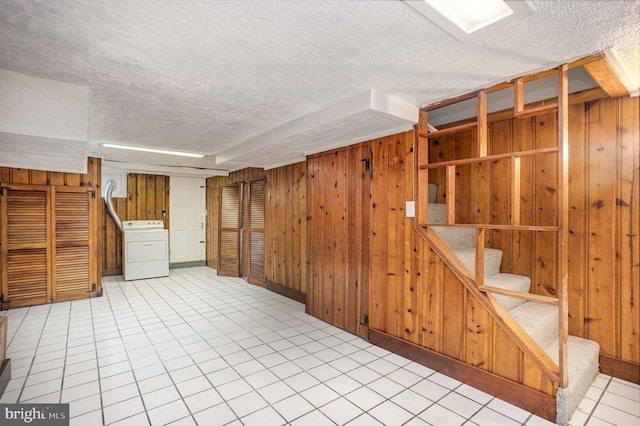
x=42 y=177
x=286 y=227
x=338 y=245
x=604 y=215
x=147 y=197
x=285 y=250
x=91 y=179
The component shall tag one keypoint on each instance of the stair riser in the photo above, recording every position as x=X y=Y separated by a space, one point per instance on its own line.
x=492 y=259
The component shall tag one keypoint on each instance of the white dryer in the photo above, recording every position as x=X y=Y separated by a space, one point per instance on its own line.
x=145 y=249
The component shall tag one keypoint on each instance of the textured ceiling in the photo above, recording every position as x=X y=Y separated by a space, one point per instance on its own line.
x=213 y=76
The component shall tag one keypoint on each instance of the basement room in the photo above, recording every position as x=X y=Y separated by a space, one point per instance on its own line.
x=327 y=212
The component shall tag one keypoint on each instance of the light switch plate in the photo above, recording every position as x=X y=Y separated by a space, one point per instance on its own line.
x=411 y=209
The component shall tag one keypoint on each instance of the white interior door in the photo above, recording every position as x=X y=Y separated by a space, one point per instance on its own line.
x=186 y=219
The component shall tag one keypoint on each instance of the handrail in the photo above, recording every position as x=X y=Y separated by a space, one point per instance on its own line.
x=492 y=157
x=541 y=228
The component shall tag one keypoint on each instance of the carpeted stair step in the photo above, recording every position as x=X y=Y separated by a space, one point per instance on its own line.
x=508 y=282
x=492 y=259
x=539 y=321
x=455 y=238
x=584 y=357
x=437 y=213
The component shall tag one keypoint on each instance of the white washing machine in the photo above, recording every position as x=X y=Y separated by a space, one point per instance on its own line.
x=145 y=249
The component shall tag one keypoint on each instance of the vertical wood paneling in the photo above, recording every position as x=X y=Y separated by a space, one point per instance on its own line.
x=628 y=221
x=577 y=291
x=522 y=254
x=337 y=234
x=315 y=247
x=433 y=307
x=286 y=227
x=602 y=154
x=379 y=237
x=395 y=234
x=500 y=138
x=545 y=206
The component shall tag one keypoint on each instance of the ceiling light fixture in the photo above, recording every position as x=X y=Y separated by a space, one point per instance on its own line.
x=153 y=150
x=463 y=18
x=470 y=16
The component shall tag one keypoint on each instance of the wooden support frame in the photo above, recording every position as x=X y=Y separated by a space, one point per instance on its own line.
x=422 y=166
x=563 y=220
x=479 y=278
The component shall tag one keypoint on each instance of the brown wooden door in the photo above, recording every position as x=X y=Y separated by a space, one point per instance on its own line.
x=254 y=229
x=73 y=248
x=338 y=229
x=230 y=224
x=26 y=256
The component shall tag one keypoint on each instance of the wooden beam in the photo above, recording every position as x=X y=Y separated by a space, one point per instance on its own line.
x=531 y=297
x=515 y=190
x=603 y=73
x=563 y=222
x=482 y=129
x=493 y=157
x=449 y=130
x=451 y=194
x=479 y=257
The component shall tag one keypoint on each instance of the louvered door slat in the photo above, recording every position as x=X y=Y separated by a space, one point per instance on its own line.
x=26 y=219
x=229 y=238
x=25 y=257
x=256 y=231
x=72 y=270
x=72 y=278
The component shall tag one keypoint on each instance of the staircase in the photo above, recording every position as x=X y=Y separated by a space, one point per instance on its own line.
x=540 y=321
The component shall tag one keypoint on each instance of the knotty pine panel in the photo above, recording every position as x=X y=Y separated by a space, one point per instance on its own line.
x=336 y=226
x=286 y=227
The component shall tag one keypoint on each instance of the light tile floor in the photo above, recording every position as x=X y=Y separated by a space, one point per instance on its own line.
x=195 y=348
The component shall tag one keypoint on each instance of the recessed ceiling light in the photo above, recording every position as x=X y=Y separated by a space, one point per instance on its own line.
x=470 y=16
x=153 y=150
x=464 y=18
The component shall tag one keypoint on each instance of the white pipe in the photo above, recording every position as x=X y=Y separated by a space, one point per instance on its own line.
x=111 y=185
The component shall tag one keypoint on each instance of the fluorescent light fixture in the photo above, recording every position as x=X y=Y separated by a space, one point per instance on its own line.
x=153 y=150
x=470 y=16
x=466 y=18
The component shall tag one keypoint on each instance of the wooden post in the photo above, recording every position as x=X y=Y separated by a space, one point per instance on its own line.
x=451 y=194
x=563 y=221
x=482 y=130
x=515 y=190
x=421 y=152
x=479 y=257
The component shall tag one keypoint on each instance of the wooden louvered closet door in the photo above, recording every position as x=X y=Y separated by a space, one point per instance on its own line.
x=255 y=231
x=48 y=254
x=25 y=236
x=230 y=223
x=73 y=249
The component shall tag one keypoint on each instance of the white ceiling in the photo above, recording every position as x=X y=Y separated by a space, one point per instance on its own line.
x=263 y=83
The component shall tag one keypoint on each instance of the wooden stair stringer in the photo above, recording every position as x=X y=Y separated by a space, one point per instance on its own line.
x=519 y=336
